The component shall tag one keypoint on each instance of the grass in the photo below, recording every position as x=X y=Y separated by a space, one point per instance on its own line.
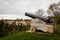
x=33 y=36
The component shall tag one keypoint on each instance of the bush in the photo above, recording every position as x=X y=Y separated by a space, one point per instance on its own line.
x=7 y=29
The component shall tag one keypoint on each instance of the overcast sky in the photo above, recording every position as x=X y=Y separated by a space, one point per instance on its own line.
x=12 y=9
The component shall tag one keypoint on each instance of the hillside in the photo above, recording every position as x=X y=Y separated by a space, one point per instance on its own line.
x=33 y=36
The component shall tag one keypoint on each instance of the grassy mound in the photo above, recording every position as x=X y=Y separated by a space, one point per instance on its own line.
x=33 y=36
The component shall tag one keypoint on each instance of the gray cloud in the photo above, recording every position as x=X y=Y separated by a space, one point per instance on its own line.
x=19 y=7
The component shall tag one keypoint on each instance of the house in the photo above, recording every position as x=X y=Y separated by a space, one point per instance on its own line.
x=17 y=21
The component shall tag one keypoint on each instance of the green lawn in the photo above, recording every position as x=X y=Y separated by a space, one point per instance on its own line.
x=33 y=36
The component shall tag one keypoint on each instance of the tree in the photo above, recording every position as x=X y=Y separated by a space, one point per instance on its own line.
x=55 y=11
x=40 y=12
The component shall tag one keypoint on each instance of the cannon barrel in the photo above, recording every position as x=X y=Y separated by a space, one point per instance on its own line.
x=47 y=20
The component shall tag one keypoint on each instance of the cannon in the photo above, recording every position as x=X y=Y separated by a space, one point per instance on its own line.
x=47 y=20
x=41 y=23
